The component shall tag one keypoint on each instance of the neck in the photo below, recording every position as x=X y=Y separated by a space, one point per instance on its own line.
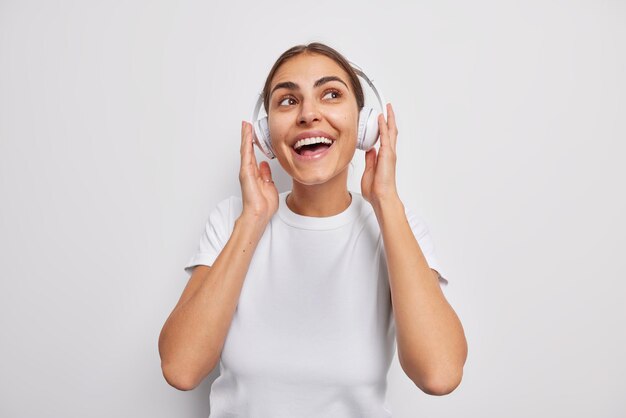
x=320 y=200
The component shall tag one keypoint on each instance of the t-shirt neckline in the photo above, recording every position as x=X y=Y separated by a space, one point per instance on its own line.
x=318 y=223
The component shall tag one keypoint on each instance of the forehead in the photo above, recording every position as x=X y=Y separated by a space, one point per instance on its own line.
x=306 y=68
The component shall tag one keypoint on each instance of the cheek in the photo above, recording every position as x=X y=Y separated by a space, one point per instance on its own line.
x=349 y=124
x=344 y=119
x=275 y=126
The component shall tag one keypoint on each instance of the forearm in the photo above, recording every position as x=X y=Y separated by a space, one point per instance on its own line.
x=193 y=336
x=431 y=343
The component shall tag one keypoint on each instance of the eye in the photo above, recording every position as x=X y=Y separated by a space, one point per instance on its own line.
x=280 y=103
x=337 y=94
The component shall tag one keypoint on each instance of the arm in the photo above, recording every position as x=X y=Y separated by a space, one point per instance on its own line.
x=191 y=341
x=193 y=336
x=431 y=343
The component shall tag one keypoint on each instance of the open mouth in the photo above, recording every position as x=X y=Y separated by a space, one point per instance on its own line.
x=312 y=146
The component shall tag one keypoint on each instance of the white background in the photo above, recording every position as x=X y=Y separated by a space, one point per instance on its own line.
x=120 y=131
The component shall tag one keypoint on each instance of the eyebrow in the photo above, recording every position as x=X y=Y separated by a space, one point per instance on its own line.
x=290 y=85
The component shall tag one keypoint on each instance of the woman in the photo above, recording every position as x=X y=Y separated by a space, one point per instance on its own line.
x=309 y=290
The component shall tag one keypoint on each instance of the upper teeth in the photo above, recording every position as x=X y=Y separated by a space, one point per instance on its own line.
x=314 y=140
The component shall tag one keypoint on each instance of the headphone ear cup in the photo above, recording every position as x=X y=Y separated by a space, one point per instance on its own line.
x=262 y=137
x=368 y=129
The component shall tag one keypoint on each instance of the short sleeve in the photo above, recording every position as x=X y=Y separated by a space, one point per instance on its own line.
x=427 y=245
x=213 y=239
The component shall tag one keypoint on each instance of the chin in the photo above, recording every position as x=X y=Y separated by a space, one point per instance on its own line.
x=316 y=178
x=311 y=182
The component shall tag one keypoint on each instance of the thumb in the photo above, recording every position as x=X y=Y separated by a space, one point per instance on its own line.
x=370 y=159
x=266 y=172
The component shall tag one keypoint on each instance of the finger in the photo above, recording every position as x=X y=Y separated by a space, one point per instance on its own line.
x=248 y=160
x=266 y=172
x=369 y=172
x=392 y=127
x=384 y=133
x=250 y=146
x=243 y=137
x=391 y=118
x=370 y=159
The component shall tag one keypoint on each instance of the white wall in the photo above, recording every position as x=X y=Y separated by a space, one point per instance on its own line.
x=120 y=130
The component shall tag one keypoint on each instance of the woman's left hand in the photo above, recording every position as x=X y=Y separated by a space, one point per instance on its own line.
x=379 y=178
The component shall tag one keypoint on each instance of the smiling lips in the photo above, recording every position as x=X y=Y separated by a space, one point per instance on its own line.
x=312 y=145
x=311 y=152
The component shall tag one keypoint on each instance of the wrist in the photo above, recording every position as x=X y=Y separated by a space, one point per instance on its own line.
x=390 y=208
x=252 y=223
x=387 y=204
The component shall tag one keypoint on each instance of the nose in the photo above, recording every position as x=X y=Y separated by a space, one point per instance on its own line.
x=308 y=113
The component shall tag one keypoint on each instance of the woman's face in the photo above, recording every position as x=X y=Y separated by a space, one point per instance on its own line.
x=309 y=98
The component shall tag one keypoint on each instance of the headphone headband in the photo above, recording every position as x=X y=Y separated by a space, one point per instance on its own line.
x=370 y=82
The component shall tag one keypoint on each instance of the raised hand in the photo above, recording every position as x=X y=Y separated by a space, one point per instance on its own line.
x=379 y=177
x=259 y=194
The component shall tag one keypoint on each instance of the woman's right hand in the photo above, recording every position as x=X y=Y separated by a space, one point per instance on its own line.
x=259 y=193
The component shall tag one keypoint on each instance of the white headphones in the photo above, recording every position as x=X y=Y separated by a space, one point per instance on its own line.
x=368 y=122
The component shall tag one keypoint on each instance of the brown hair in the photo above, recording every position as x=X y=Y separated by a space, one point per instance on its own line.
x=315 y=48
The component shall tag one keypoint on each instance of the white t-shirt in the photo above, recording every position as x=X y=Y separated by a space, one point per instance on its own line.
x=313 y=334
